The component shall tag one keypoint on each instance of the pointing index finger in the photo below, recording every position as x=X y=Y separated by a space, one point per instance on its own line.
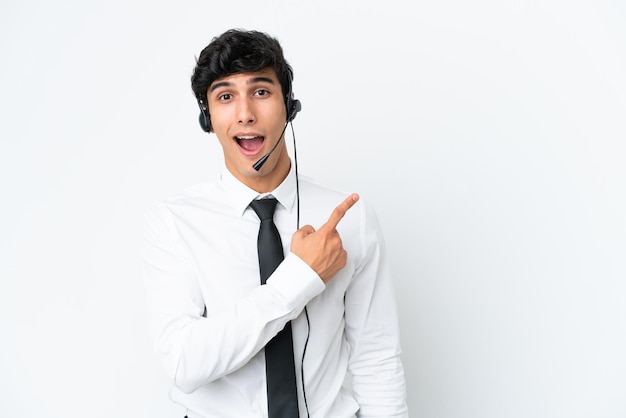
x=339 y=212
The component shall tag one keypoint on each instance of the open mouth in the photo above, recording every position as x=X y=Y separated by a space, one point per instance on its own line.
x=250 y=143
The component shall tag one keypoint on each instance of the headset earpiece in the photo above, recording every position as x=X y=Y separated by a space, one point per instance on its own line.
x=296 y=106
x=292 y=105
x=204 y=118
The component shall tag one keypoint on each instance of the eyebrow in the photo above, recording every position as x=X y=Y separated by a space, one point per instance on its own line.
x=259 y=79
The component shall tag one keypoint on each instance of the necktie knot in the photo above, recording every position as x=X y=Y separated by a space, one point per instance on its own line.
x=264 y=208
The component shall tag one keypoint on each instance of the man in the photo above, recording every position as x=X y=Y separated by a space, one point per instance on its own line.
x=213 y=320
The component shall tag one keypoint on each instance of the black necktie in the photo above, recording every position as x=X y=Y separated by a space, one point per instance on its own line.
x=282 y=397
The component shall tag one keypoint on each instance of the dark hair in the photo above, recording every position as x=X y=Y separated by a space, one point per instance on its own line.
x=239 y=51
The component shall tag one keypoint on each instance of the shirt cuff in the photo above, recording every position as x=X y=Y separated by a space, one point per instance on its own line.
x=295 y=282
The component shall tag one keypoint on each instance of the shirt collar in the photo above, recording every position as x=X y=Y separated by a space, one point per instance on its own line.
x=241 y=195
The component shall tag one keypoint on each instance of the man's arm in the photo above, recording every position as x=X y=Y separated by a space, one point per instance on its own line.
x=195 y=349
x=372 y=330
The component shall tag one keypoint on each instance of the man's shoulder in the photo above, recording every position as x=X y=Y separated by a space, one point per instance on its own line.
x=310 y=185
x=189 y=197
x=328 y=197
x=190 y=194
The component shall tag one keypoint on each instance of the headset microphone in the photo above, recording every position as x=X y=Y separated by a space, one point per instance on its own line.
x=296 y=106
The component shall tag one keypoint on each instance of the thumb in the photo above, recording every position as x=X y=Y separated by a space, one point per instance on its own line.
x=306 y=230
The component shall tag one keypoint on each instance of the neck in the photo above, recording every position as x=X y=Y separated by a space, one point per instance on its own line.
x=269 y=177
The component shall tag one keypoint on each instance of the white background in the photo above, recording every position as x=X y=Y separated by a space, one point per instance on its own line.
x=489 y=135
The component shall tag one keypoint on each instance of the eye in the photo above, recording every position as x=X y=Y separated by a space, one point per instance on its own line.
x=224 y=97
x=261 y=92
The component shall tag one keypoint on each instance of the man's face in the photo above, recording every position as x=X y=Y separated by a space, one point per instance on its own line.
x=248 y=115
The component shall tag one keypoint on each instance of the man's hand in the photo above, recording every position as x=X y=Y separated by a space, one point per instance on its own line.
x=323 y=250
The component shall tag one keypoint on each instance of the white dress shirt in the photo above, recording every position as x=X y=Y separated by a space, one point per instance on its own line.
x=211 y=318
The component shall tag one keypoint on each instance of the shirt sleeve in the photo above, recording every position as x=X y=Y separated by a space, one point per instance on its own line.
x=196 y=349
x=372 y=329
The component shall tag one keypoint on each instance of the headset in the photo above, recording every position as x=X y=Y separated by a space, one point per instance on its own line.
x=293 y=106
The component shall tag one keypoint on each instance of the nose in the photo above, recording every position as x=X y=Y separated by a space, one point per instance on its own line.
x=245 y=112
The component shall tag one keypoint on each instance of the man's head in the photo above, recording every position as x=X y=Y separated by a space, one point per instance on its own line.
x=243 y=85
x=239 y=51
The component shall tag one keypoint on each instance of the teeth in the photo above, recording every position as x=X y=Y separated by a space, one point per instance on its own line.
x=247 y=137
